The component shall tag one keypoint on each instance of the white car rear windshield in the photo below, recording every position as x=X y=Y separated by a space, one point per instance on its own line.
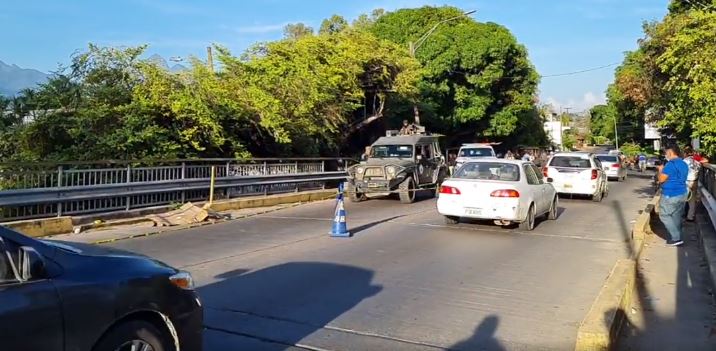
x=489 y=171
x=570 y=162
x=476 y=152
x=612 y=159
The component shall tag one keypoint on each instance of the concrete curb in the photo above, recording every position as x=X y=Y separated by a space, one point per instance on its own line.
x=600 y=328
x=62 y=225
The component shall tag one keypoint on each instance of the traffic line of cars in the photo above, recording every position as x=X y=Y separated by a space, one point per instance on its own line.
x=517 y=192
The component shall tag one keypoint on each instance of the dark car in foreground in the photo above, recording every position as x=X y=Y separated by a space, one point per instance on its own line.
x=80 y=297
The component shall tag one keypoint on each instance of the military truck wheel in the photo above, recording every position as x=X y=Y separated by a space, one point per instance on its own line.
x=353 y=195
x=406 y=191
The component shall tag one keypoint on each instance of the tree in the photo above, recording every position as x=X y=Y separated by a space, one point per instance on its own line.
x=477 y=79
x=333 y=25
x=295 y=31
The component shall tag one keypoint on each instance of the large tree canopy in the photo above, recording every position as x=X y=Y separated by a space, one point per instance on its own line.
x=477 y=78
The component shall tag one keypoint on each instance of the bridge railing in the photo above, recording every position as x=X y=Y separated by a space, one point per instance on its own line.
x=45 y=189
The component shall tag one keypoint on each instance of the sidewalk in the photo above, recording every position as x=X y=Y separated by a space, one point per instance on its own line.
x=673 y=308
x=114 y=233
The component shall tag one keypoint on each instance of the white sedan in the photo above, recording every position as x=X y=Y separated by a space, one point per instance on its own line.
x=506 y=191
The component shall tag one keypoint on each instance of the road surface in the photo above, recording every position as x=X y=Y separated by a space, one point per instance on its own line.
x=405 y=281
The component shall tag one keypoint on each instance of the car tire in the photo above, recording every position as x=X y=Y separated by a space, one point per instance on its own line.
x=121 y=337
x=406 y=191
x=553 y=211
x=598 y=196
x=529 y=223
x=450 y=220
x=353 y=195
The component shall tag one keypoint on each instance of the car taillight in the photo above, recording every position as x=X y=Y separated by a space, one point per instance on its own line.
x=451 y=190
x=505 y=193
x=545 y=171
x=615 y=165
x=595 y=174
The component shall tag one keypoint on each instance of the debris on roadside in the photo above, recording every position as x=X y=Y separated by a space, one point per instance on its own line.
x=186 y=214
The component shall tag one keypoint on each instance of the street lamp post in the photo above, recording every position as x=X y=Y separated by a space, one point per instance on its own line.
x=413 y=47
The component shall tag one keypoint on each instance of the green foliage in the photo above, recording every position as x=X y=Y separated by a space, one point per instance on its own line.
x=601 y=123
x=305 y=95
x=630 y=149
x=477 y=78
x=671 y=78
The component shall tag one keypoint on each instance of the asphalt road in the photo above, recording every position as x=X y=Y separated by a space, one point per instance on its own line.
x=405 y=281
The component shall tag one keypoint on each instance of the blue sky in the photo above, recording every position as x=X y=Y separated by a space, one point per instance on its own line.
x=561 y=35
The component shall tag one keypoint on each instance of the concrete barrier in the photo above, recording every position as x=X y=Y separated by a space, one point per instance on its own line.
x=64 y=225
x=42 y=227
x=600 y=328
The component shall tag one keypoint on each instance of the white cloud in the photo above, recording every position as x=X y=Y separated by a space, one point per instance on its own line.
x=586 y=102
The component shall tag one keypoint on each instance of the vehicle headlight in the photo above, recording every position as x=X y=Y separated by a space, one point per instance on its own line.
x=360 y=170
x=391 y=170
x=182 y=280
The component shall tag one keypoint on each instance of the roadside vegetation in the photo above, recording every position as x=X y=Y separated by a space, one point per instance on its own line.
x=325 y=92
x=669 y=80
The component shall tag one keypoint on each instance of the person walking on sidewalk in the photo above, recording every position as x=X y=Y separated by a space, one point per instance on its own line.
x=672 y=177
x=692 y=181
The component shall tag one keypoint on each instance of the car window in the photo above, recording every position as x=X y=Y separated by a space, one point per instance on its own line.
x=428 y=151
x=403 y=151
x=476 y=152
x=597 y=163
x=9 y=260
x=538 y=173
x=570 y=162
x=603 y=158
x=531 y=176
x=489 y=171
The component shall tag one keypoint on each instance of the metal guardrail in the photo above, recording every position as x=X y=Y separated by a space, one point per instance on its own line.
x=708 y=178
x=45 y=190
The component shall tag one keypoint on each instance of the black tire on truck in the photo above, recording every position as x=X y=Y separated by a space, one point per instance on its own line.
x=406 y=190
x=353 y=195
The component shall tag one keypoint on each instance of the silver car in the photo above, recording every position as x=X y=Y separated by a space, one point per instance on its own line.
x=613 y=167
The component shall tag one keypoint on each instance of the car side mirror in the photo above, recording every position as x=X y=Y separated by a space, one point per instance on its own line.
x=419 y=157
x=550 y=180
x=32 y=264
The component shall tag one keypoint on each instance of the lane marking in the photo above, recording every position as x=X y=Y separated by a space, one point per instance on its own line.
x=326 y=327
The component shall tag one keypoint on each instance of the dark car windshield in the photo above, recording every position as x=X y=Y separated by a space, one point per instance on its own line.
x=402 y=151
x=604 y=158
x=570 y=162
x=489 y=171
x=476 y=152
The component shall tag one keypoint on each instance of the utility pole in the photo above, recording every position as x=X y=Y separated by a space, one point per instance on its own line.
x=413 y=46
x=210 y=59
x=561 y=125
x=616 y=133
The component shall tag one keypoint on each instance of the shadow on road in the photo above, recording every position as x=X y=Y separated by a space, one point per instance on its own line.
x=484 y=337
x=282 y=304
x=367 y=226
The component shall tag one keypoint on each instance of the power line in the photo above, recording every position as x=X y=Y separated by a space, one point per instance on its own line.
x=581 y=71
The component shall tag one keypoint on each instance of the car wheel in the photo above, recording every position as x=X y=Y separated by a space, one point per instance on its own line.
x=450 y=220
x=407 y=191
x=552 y=214
x=130 y=336
x=353 y=195
x=529 y=223
x=598 y=196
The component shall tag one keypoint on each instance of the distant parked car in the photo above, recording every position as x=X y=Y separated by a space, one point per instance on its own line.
x=505 y=191
x=613 y=166
x=67 y=296
x=471 y=152
x=652 y=162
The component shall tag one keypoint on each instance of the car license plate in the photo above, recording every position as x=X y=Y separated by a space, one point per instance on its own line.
x=373 y=185
x=473 y=211
x=568 y=186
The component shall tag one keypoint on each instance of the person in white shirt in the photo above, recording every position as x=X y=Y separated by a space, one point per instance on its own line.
x=692 y=181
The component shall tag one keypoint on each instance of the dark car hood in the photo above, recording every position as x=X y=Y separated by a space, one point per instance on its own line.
x=91 y=249
x=390 y=161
